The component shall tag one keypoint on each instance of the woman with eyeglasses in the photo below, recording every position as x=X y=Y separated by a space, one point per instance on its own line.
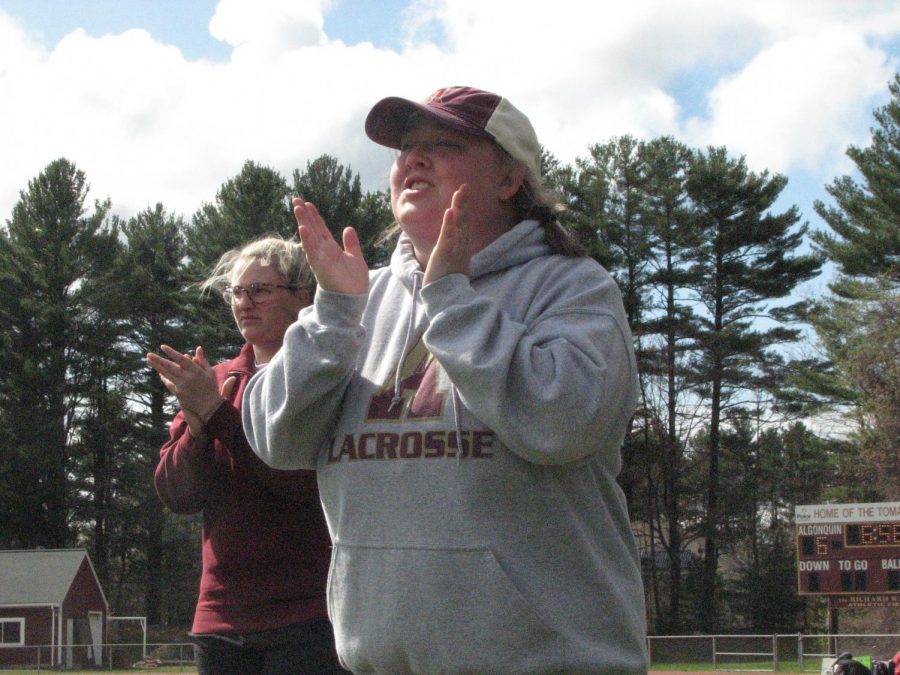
x=266 y=549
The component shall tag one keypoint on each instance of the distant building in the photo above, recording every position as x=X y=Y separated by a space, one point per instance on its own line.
x=53 y=612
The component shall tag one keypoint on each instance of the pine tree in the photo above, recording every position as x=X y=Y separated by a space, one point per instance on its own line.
x=772 y=472
x=741 y=262
x=159 y=312
x=375 y=218
x=858 y=325
x=334 y=189
x=606 y=205
x=865 y=222
x=101 y=426
x=607 y=212
x=51 y=252
x=251 y=205
x=666 y=344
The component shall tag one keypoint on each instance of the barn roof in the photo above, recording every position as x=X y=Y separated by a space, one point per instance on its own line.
x=39 y=577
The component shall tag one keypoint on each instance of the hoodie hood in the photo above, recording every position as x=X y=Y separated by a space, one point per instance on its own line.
x=523 y=242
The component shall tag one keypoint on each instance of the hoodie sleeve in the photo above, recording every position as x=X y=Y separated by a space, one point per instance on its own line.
x=291 y=405
x=556 y=387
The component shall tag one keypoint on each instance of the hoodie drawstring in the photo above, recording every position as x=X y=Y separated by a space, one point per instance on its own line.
x=410 y=329
x=454 y=394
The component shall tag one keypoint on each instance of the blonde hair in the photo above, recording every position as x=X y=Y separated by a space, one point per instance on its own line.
x=535 y=201
x=285 y=255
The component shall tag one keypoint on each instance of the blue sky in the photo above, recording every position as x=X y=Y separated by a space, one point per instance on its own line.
x=163 y=100
x=185 y=22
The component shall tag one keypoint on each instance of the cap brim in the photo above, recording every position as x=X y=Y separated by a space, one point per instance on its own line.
x=388 y=119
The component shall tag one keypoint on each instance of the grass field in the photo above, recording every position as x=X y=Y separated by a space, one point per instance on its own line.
x=785 y=667
x=657 y=669
x=709 y=668
x=104 y=671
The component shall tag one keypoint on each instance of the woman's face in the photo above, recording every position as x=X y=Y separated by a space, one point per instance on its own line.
x=264 y=321
x=434 y=161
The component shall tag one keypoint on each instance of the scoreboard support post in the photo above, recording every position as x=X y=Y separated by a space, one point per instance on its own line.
x=833 y=625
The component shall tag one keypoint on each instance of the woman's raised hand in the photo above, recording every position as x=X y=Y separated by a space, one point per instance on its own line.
x=451 y=252
x=342 y=270
x=191 y=379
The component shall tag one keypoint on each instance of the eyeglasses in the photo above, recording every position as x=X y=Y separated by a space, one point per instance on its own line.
x=435 y=147
x=259 y=294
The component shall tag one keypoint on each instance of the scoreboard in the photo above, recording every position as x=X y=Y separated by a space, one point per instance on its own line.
x=849 y=551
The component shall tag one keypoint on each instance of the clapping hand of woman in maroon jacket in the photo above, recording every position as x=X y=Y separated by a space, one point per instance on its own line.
x=192 y=381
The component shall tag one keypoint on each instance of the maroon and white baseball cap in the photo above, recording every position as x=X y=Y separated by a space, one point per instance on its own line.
x=465 y=109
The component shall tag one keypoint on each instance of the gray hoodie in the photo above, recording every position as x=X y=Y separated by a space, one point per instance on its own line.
x=467 y=439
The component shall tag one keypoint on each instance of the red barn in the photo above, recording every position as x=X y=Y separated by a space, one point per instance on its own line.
x=52 y=609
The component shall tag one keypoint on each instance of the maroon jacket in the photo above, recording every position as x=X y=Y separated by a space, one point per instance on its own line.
x=266 y=548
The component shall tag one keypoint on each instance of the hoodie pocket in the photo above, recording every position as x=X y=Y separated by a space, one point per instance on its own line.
x=429 y=610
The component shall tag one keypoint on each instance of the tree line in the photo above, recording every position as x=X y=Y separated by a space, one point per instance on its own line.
x=727 y=439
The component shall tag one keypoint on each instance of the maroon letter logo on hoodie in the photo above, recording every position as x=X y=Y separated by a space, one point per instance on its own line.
x=418 y=390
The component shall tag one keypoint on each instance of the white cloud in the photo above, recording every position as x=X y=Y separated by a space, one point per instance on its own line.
x=798 y=102
x=17 y=51
x=269 y=26
x=790 y=85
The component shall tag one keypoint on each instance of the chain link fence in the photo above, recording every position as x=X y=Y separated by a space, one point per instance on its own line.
x=672 y=652
x=766 y=652
x=116 y=656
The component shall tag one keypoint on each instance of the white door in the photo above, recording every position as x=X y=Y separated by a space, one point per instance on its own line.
x=70 y=640
x=95 y=622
